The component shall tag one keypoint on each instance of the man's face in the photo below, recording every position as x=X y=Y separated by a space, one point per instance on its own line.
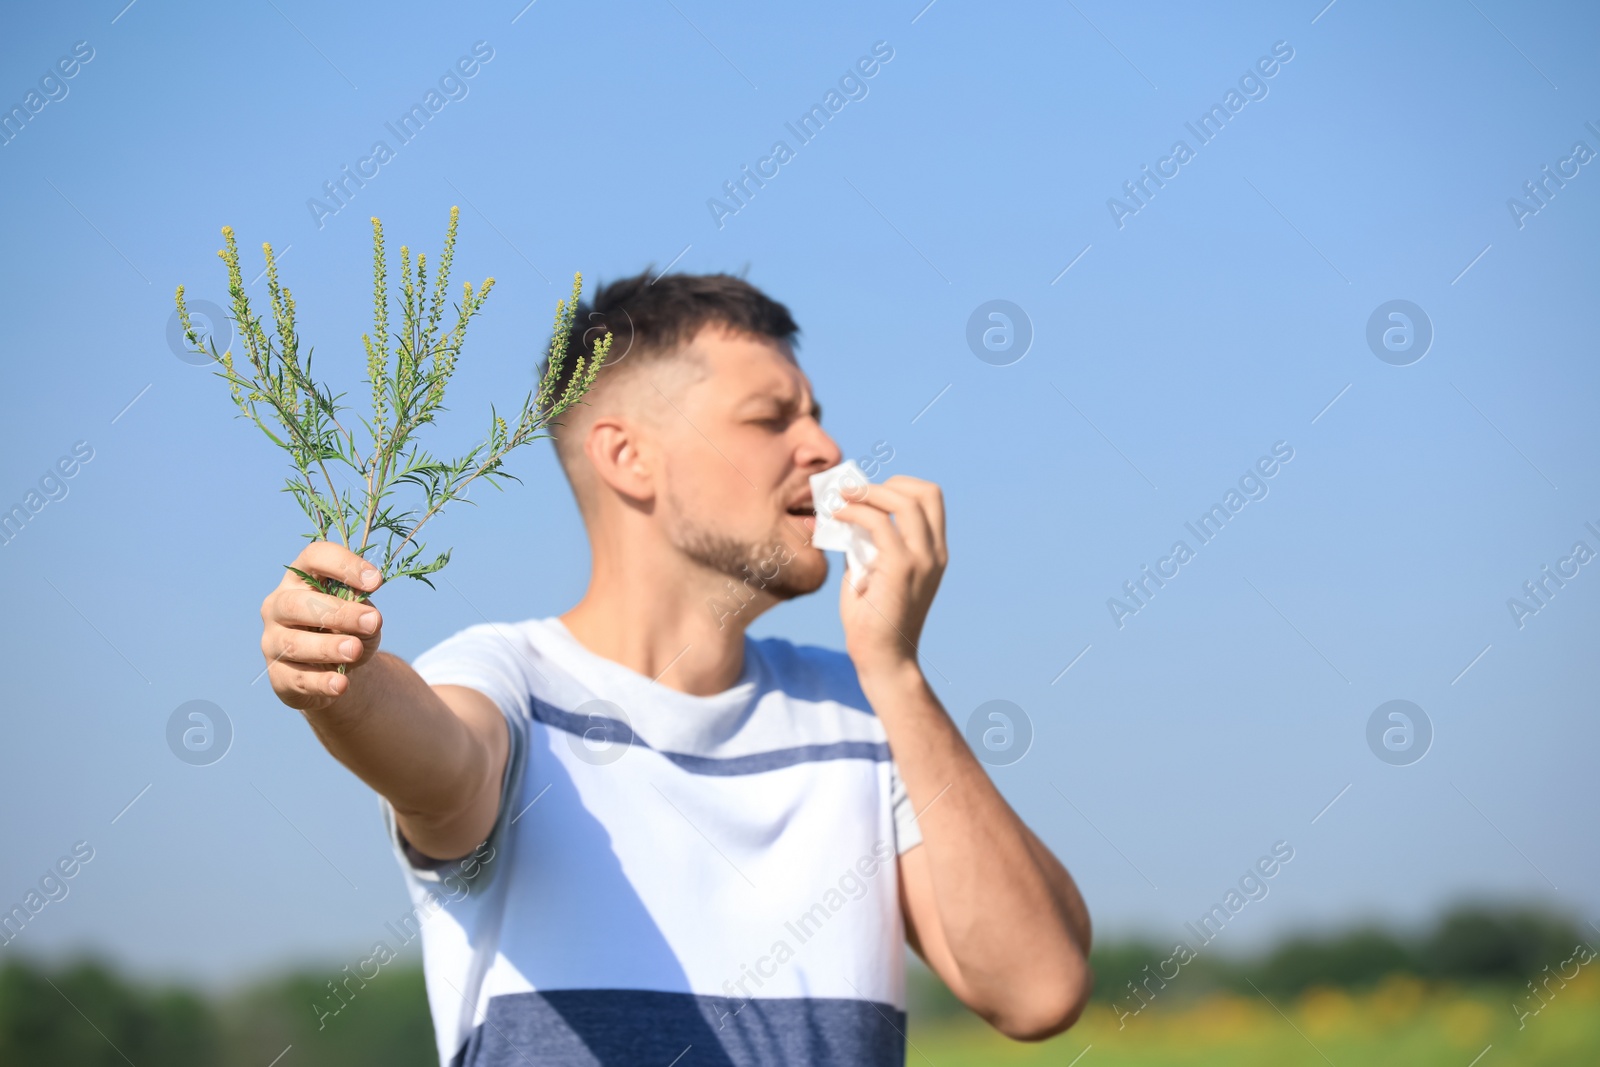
x=739 y=445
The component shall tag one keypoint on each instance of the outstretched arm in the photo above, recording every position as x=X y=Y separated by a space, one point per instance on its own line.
x=986 y=904
x=437 y=754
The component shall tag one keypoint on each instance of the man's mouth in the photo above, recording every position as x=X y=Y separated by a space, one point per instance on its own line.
x=806 y=513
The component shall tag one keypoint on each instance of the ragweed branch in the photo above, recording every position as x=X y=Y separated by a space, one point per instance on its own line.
x=408 y=371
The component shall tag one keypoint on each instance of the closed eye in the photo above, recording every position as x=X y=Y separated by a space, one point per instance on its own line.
x=786 y=416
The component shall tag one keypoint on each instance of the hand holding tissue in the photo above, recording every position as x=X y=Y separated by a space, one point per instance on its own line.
x=831 y=490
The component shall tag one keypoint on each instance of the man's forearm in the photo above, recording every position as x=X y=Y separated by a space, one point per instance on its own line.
x=398 y=735
x=1005 y=904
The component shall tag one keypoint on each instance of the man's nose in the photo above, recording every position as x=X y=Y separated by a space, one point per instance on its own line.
x=819 y=450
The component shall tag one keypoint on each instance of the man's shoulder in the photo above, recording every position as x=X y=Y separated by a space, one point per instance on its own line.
x=507 y=660
x=491 y=638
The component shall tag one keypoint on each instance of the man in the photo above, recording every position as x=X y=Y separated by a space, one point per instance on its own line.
x=635 y=835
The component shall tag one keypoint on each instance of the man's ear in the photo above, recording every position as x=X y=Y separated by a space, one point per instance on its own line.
x=621 y=457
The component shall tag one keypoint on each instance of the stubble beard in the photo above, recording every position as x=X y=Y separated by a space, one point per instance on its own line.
x=742 y=560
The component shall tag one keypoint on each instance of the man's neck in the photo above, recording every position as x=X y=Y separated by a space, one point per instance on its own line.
x=672 y=631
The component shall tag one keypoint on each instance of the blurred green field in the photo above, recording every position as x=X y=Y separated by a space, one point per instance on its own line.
x=1402 y=1021
x=1366 y=997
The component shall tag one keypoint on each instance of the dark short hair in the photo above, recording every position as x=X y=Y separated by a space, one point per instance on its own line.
x=649 y=319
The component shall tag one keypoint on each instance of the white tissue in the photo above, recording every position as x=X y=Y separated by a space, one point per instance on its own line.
x=831 y=490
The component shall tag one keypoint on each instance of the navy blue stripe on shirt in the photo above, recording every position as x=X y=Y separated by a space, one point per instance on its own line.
x=601 y=728
x=757 y=762
x=644 y=1028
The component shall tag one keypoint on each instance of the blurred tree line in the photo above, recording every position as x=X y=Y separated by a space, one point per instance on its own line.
x=1472 y=945
x=85 y=1015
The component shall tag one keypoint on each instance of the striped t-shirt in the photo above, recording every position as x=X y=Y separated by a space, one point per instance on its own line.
x=672 y=879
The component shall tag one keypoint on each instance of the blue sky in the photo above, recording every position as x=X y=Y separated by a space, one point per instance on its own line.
x=1227 y=314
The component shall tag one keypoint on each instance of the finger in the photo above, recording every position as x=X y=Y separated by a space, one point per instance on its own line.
x=328 y=560
x=907 y=510
x=306 y=680
x=877 y=523
x=932 y=499
x=283 y=645
x=305 y=607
